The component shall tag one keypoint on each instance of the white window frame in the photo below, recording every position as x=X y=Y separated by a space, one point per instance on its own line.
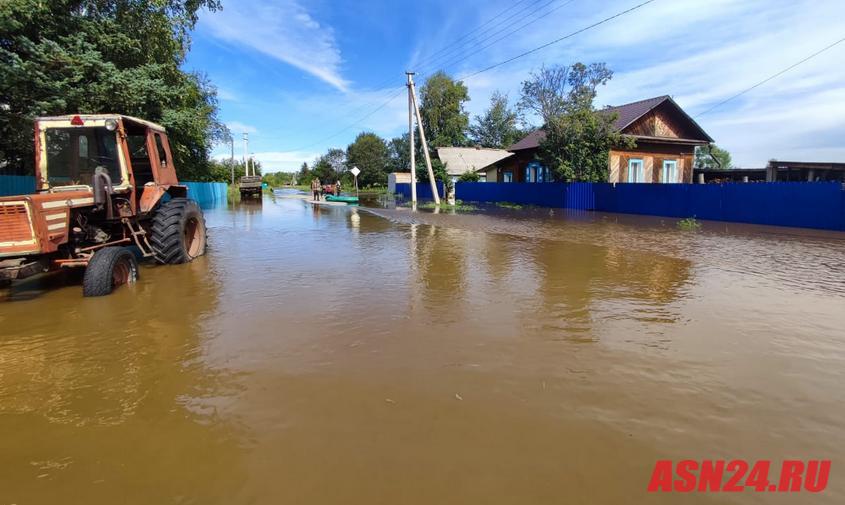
x=632 y=172
x=670 y=176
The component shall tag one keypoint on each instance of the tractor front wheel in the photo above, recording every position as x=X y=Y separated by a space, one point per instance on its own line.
x=109 y=268
x=178 y=232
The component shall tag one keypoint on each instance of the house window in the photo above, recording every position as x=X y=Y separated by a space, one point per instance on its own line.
x=536 y=172
x=636 y=171
x=507 y=176
x=670 y=171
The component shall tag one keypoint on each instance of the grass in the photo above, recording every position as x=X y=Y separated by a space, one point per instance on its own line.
x=509 y=205
x=689 y=224
x=459 y=206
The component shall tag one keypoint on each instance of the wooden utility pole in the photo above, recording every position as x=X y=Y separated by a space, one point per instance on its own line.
x=411 y=141
x=413 y=94
x=246 y=152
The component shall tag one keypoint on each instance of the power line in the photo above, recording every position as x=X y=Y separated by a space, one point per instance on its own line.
x=778 y=74
x=506 y=35
x=451 y=46
x=457 y=49
x=582 y=30
x=521 y=55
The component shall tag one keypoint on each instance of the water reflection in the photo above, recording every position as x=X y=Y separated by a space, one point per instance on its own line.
x=96 y=391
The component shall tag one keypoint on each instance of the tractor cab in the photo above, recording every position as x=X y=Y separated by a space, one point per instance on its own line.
x=132 y=156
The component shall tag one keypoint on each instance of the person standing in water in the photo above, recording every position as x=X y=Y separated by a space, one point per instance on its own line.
x=315 y=189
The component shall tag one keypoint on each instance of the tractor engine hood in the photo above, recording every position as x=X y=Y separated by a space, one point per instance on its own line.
x=38 y=224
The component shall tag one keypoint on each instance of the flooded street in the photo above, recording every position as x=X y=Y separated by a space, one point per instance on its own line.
x=322 y=354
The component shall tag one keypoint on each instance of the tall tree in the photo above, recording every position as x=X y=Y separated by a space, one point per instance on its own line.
x=554 y=91
x=444 y=119
x=330 y=166
x=87 y=56
x=577 y=145
x=398 y=154
x=712 y=157
x=578 y=138
x=497 y=128
x=369 y=154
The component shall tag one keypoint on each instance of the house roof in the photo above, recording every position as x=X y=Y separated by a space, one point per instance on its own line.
x=627 y=115
x=459 y=160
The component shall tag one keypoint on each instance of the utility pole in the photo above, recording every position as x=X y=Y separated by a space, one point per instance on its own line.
x=416 y=106
x=232 y=159
x=412 y=142
x=246 y=150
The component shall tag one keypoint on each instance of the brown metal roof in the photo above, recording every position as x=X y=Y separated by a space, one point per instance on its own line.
x=627 y=115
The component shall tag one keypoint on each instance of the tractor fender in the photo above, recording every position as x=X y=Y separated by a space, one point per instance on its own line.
x=153 y=193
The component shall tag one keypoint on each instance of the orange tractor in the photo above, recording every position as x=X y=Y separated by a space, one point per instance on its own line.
x=107 y=193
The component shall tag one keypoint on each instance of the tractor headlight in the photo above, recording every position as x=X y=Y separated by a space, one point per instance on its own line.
x=111 y=125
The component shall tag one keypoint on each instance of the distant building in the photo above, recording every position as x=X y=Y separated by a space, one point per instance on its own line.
x=802 y=171
x=717 y=175
x=397 y=178
x=459 y=160
x=665 y=135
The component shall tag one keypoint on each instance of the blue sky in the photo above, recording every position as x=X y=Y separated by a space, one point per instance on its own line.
x=294 y=72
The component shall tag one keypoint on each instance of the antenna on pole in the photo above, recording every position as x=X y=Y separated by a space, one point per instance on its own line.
x=413 y=95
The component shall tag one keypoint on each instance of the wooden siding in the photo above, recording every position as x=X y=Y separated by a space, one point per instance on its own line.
x=653 y=156
x=663 y=121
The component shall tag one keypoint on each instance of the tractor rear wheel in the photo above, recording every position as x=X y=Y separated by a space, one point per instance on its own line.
x=109 y=268
x=178 y=232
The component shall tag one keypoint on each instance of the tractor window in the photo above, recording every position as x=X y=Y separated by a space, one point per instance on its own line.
x=74 y=153
x=140 y=158
x=162 y=154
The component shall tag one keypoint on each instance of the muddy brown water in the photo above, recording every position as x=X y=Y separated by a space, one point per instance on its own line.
x=337 y=355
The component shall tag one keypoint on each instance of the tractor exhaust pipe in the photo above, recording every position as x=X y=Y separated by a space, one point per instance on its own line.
x=103 y=190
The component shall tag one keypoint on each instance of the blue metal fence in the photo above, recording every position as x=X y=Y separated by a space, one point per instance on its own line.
x=423 y=190
x=797 y=204
x=205 y=193
x=16 y=185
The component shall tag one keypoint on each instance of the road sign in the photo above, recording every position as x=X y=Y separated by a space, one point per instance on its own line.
x=355 y=171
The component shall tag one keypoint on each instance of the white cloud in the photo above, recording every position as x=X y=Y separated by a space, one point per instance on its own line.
x=283 y=30
x=277 y=161
x=237 y=127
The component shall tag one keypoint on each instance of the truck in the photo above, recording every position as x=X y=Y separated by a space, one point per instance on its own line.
x=250 y=185
x=106 y=194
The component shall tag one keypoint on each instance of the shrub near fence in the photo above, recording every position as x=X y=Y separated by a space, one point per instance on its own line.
x=797 y=204
x=205 y=193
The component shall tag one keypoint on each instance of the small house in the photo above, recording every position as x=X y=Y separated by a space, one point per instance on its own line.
x=459 y=160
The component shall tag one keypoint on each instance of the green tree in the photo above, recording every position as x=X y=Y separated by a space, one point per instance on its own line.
x=369 y=153
x=329 y=167
x=469 y=177
x=577 y=144
x=497 y=128
x=578 y=138
x=711 y=157
x=398 y=154
x=555 y=91
x=304 y=175
x=444 y=119
x=87 y=56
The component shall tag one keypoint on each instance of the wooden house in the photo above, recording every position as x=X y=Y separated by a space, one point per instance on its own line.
x=665 y=136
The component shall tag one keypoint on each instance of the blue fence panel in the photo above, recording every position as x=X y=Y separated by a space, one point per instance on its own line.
x=207 y=194
x=16 y=185
x=423 y=190
x=546 y=194
x=797 y=204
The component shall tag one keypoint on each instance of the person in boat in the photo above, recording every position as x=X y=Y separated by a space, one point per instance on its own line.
x=337 y=188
